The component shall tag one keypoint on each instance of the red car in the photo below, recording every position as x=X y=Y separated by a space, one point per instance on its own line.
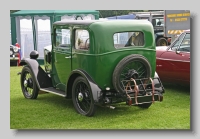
x=173 y=62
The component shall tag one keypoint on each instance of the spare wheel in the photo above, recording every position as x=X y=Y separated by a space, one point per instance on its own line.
x=132 y=66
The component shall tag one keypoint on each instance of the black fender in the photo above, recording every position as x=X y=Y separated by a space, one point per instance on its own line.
x=40 y=76
x=93 y=86
x=158 y=84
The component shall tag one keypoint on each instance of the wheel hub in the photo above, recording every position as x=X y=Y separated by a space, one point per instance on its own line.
x=80 y=96
x=28 y=83
x=131 y=74
x=25 y=83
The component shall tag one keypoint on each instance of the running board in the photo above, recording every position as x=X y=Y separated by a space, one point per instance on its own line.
x=54 y=91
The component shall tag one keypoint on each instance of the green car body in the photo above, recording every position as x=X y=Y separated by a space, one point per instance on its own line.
x=96 y=71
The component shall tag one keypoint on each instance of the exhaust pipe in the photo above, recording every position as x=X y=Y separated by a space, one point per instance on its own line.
x=111 y=107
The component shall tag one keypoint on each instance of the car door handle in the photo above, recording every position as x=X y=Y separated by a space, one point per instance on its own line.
x=189 y=57
x=68 y=57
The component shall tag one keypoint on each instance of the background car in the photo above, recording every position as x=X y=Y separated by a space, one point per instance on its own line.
x=173 y=62
x=14 y=55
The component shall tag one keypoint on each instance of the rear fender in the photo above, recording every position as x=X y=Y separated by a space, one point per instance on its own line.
x=93 y=86
x=158 y=84
x=40 y=76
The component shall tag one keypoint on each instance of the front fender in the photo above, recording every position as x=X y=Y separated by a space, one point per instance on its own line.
x=93 y=86
x=39 y=75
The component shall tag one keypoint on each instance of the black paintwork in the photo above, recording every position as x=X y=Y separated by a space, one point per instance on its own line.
x=93 y=86
x=40 y=76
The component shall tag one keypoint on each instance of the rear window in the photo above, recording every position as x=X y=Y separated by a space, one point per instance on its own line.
x=128 y=39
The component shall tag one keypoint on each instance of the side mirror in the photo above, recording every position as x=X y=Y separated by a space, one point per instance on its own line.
x=177 y=51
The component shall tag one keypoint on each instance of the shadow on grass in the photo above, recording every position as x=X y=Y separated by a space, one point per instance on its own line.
x=120 y=110
x=55 y=100
x=177 y=87
x=62 y=103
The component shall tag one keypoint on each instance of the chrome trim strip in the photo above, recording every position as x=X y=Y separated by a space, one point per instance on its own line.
x=173 y=60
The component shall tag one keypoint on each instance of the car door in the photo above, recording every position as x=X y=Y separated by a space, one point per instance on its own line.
x=184 y=51
x=176 y=61
x=62 y=56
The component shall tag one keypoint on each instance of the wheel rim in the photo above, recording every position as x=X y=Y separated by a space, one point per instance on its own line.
x=27 y=84
x=136 y=65
x=83 y=97
x=163 y=43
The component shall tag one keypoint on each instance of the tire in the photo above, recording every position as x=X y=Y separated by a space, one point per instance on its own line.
x=82 y=97
x=28 y=84
x=145 y=105
x=161 y=42
x=131 y=62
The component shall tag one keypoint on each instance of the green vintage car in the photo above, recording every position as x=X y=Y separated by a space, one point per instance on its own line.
x=96 y=63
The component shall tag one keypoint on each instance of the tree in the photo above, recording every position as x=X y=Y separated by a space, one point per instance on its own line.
x=12 y=11
x=109 y=13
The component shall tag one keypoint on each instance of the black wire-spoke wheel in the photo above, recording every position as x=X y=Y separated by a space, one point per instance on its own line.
x=28 y=84
x=132 y=66
x=82 y=97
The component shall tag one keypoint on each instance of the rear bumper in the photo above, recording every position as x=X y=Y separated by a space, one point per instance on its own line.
x=144 y=99
x=146 y=93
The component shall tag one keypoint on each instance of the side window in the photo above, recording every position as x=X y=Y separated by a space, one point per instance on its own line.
x=63 y=38
x=185 y=45
x=127 y=39
x=82 y=39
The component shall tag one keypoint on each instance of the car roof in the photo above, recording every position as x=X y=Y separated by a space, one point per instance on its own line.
x=78 y=22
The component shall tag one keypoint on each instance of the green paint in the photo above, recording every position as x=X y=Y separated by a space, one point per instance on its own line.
x=102 y=57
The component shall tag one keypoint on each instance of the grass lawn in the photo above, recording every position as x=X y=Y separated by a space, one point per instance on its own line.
x=50 y=111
